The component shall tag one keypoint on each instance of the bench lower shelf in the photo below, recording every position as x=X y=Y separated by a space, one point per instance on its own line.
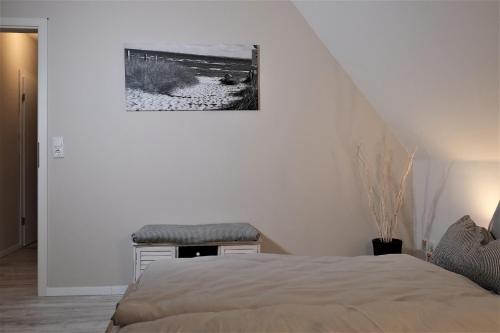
x=146 y=254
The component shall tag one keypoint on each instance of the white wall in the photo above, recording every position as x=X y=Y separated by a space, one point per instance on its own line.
x=288 y=169
x=430 y=68
x=447 y=190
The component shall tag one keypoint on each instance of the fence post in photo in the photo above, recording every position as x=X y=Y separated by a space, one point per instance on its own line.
x=255 y=57
x=255 y=65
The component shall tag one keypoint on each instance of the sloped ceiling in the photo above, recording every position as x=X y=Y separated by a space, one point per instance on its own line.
x=430 y=68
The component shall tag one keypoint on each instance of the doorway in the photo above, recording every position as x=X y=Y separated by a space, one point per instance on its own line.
x=18 y=146
x=23 y=142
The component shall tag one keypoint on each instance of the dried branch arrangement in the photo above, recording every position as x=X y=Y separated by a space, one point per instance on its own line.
x=384 y=199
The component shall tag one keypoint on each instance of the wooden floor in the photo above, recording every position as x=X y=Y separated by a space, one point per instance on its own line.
x=22 y=311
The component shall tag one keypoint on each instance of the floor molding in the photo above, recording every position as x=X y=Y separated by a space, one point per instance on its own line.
x=86 y=291
x=9 y=250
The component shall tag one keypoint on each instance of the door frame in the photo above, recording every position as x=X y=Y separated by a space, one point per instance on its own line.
x=40 y=24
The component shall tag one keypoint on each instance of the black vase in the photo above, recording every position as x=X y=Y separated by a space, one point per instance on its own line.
x=380 y=247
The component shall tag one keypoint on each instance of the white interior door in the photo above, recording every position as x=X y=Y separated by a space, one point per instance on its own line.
x=29 y=157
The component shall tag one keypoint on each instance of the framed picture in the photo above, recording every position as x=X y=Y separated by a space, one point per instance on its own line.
x=191 y=77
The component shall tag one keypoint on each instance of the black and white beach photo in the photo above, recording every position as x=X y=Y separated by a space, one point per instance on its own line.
x=191 y=77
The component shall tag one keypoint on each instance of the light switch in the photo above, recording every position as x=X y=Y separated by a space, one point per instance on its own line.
x=57 y=147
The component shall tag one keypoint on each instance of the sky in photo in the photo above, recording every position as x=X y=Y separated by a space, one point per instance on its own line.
x=218 y=50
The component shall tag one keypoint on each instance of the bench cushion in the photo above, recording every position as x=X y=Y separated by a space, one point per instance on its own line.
x=196 y=234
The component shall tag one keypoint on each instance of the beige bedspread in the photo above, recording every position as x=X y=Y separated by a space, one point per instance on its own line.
x=279 y=293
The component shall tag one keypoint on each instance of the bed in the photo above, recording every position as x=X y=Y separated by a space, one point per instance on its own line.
x=283 y=293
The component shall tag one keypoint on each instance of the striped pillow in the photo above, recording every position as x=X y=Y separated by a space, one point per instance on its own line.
x=470 y=250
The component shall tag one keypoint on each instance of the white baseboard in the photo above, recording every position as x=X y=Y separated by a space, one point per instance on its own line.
x=9 y=250
x=86 y=291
